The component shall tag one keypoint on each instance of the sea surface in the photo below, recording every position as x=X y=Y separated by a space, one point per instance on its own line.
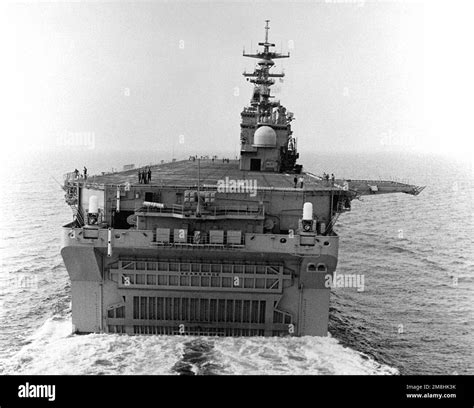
x=416 y=255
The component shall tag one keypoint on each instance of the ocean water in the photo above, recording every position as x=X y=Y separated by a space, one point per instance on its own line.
x=414 y=316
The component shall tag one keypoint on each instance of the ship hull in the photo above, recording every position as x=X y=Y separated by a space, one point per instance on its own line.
x=139 y=287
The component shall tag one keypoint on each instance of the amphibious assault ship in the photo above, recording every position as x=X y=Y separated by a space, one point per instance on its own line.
x=212 y=246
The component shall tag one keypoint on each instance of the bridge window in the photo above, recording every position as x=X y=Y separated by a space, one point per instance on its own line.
x=322 y=268
x=311 y=267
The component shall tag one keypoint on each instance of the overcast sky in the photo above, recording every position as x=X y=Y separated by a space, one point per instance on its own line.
x=363 y=76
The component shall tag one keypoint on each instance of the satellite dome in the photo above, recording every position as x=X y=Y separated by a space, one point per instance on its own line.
x=265 y=62
x=264 y=136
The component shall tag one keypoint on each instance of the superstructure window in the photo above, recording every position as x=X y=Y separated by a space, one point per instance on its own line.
x=311 y=267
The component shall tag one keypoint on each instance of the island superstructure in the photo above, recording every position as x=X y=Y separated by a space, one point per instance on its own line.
x=210 y=246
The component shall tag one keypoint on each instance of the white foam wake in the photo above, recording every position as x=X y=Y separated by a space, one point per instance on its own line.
x=294 y=355
x=53 y=350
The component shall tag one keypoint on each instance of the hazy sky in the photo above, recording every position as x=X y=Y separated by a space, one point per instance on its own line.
x=363 y=76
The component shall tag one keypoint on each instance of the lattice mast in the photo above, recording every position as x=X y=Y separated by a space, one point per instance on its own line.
x=262 y=78
x=266 y=137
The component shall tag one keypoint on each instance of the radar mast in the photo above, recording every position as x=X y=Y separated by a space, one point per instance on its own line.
x=271 y=148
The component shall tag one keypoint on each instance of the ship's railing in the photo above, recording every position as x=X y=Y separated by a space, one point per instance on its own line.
x=273 y=120
x=71 y=176
x=217 y=276
x=375 y=182
x=217 y=211
x=248 y=148
x=200 y=239
x=166 y=209
x=237 y=210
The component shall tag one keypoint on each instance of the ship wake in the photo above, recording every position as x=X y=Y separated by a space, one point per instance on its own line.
x=53 y=350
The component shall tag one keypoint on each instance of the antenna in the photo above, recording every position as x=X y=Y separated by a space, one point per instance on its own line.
x=60 y=185
x=198 y=207
x=266 y=30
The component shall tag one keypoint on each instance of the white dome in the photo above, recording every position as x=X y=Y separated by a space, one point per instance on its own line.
x=265 y=62
x=264 y=136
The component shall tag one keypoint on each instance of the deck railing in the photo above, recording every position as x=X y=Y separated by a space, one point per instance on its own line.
x=188 y=210
x=200 y=240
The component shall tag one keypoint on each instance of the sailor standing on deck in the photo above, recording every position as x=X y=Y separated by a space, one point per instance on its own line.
x=149 y=174
x=332 y=179
x=85 y=173
x=139 y=176
x=295 y=180
x=301 y=180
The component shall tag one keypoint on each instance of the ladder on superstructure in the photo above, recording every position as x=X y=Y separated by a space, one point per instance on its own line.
x=76 y=211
